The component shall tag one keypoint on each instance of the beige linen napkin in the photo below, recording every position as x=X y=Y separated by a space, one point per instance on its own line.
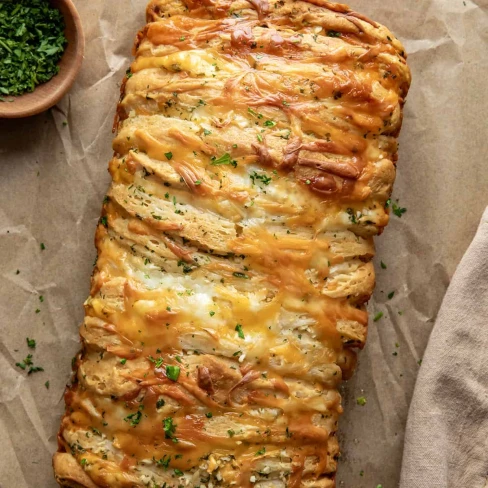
x=446 y=442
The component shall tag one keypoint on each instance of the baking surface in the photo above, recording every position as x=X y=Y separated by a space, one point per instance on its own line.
x=53 y=176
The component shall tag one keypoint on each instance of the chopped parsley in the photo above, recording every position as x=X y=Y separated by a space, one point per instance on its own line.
x=186 y=267
x=158 y=362
x=207 y=132
x=134 y=418
x=391 y=295
x=32 y=43
x=398 y=211
x=266 y=180
x=123 y=361
x=178 y=472
x=209 y=415
x=352 y=215
x=333 y=33
x=269 y=123
x=172 y=372
x=383 y=265
x=211 y=313
x=46 y=384
x=361 y=401
x=254 y=113
x=169 y=155
x=42 y=246
x=231 y=433
x=240 y=275
x=160 y=403
x=28 y=362
x=261 y=451
x=31 y=343
x=169 y=428
x=223 y=160
x=239 y=331
x=378 y=316
x=163 y=462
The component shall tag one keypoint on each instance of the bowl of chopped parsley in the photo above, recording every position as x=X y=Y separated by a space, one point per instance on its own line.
x=41 y=50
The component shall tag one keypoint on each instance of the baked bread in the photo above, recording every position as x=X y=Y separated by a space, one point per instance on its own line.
x=254 y=159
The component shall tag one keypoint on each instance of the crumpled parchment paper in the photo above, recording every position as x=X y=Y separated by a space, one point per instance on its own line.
x=53 y=176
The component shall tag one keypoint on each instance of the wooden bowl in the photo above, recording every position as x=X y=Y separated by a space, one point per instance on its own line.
x=48 y=94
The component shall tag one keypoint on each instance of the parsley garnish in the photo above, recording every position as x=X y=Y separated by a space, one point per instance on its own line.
x=391 y=295
x=31 y=343
x=158 y=362
x=164 y=462
x=169 y=155
x=240 y=275
x=178 y=472
x=269 y=123
x=333 y=33
x=169 y=428
x=378 y=316
x=261 y=451
x=352 y=215
x=231 y=433
x=224 y=159
x=173 y=372
x=398 y=211
x=28 y=362
x=239 y=331
x=32 y=42
x=252 y=112
x=361 y=401
x=134 y=418
x=266 y=180
x=160 y=403
x=186 y=267
x=383 y=265
x=209 y=415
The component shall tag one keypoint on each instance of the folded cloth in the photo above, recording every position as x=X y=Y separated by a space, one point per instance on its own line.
x=446 y=442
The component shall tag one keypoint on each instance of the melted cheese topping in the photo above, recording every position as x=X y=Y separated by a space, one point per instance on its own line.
x=254 y=156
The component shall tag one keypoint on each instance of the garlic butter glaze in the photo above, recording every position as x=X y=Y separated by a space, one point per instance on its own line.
x=254 y=157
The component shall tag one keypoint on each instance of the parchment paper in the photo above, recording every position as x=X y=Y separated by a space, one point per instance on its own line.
x=53 y=177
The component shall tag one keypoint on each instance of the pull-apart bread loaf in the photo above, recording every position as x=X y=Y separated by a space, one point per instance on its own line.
x=254 y=159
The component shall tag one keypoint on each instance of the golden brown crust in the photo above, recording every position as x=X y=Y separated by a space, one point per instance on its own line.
x=68 y=472
x=254 y=157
